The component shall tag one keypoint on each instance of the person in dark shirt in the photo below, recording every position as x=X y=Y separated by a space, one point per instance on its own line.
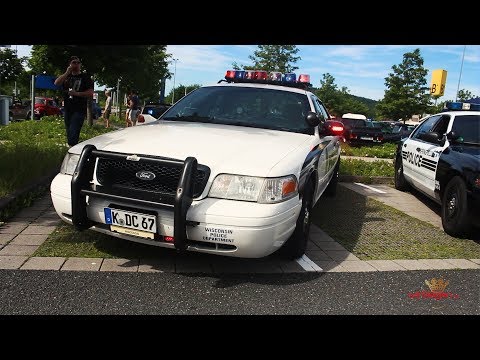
x=77 y=88
x=134 y=107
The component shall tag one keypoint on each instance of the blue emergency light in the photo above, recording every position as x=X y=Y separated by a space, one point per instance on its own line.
x=457 y=105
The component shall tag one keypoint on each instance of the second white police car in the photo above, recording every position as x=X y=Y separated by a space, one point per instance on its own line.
x=441 y=158
x=231 y=169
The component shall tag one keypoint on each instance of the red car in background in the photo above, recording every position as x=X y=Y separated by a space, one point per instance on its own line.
x=45 y=107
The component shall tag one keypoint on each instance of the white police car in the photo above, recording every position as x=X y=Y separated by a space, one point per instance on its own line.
x=231 y=169
x=441 y=158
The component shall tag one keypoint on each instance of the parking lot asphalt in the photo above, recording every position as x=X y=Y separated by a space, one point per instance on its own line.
x=53 y=292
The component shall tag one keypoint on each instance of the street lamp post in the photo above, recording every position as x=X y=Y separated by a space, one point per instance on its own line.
x=461 y=69
x=174 y=75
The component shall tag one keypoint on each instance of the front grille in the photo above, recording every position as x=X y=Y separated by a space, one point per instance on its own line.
x=119 y=177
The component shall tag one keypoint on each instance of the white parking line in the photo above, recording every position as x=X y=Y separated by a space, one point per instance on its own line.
x=308 y=265
x=371 y=188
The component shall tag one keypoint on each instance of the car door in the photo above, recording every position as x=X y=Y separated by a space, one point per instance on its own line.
x=330 y=148
x=423 y=155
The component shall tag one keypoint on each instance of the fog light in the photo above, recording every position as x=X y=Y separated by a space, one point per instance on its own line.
x=168 y=239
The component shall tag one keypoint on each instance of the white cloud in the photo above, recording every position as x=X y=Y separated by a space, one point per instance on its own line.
x=367 y=92
x=205 y=58
x=356 y=52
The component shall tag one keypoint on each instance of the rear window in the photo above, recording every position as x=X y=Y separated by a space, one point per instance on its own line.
x=468 y=127
x=353 y=123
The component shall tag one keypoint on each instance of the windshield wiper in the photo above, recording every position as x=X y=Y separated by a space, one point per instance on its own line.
x=470 y=143
x=189 y=118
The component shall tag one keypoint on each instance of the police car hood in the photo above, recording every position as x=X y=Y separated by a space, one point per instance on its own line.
x=224 y=148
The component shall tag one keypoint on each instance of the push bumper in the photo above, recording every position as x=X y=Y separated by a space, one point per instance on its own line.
x=217 y=226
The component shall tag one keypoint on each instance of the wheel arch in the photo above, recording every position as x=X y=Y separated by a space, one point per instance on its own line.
x=446 y=179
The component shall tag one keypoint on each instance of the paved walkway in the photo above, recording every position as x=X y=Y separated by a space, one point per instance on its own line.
x=20 y=238
x=419 y=206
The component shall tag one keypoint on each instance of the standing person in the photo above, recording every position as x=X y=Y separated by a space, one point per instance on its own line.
x=77 y=87
x=128 y=104
x=108 y=108
x=134 y=107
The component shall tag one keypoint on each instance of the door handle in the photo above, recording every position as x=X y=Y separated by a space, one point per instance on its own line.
x=418 y=149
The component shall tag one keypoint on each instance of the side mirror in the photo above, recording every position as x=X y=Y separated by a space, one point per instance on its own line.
x=454 y=137
x=312 y=119
x=431 y=137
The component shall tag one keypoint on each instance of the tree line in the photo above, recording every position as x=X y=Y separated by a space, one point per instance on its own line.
x=144 y=67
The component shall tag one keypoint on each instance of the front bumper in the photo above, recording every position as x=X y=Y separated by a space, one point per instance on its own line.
x=217 y=226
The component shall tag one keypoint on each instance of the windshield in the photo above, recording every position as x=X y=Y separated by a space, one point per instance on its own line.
x=40 y=101
x=468 y=127
x=244 y=106
x=154 y=110
x=354 y=123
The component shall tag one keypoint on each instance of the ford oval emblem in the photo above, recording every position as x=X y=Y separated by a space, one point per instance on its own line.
x=145 y=175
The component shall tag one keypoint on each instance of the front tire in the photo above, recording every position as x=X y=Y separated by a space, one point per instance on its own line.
x=400 y=181
x=455 y=215
x=297 y=243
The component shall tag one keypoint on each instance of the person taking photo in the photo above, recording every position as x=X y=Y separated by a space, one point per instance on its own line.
x=77 y=88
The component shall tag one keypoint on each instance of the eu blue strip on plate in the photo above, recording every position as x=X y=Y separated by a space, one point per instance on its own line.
x=108 y=215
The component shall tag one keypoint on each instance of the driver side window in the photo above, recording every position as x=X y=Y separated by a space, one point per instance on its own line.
x=425 y=127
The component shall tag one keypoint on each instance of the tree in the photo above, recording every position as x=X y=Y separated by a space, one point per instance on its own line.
x=273 y=58
x=181 y=91
x=339 y=101
x=139 y=67
x=406 y=93
x=11 y=66
x=328 y=92
x=464 y=95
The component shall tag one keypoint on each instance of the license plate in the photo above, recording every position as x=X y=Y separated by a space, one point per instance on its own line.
x=366 y=138
x=131 y=223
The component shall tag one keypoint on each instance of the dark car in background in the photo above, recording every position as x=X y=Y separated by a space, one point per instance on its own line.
x=357 y=132
x=151 y=112
x=400 y=131
x=96 y=110
x=20 y=110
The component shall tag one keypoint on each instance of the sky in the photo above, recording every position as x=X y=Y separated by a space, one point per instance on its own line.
x=361 y=68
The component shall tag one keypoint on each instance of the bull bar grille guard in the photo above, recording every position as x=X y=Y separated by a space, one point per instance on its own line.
x=83 y=177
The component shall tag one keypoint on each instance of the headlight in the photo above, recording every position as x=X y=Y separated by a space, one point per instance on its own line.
x=69 y=164
x=249 y=188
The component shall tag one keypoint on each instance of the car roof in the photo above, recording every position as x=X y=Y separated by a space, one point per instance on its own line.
x=263 y=86
x=461 y=112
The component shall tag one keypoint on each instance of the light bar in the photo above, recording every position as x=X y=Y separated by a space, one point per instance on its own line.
x=291 y=77
x=249 y=74
x=260 y=75
x=457 y=105
x=275 y=76
x=303 y=78
x=264 y=77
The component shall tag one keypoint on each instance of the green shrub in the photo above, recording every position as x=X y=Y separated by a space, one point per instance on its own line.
x=31 y=149
x=384 y=151
x=366 y=168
